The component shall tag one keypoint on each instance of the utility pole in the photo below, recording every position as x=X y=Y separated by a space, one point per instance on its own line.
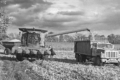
x=4 y=20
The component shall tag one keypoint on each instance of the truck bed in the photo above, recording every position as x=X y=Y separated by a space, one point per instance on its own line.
x=82 y=47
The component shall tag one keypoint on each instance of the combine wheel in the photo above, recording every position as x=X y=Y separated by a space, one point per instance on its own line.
x=18 y=56
x=7 y=51
x=31 y=54
x=39 y=55
x=24 y=54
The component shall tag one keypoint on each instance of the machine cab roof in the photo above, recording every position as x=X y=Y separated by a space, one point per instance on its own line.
x=32 y=30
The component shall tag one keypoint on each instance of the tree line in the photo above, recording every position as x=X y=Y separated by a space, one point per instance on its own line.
x=112 y=38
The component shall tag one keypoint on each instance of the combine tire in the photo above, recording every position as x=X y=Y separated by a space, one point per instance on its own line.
x=7 y=51
x=24 y=55
x=39 y=55
x=31 y=54
x=18 y=56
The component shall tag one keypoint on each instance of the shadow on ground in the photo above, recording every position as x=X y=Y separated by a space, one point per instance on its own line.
x=71 y=61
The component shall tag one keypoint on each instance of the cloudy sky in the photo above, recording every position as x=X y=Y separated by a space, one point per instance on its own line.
x=101 y=16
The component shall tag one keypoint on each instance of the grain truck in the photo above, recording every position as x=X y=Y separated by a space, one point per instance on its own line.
x=96 y=50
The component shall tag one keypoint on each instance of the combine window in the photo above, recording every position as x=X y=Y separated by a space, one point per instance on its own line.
x=30 y=38
x=33 y=38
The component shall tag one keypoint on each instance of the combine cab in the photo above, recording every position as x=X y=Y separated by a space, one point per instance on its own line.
x=32 y=44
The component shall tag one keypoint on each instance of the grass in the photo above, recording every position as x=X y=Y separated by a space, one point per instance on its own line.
x=61 y=45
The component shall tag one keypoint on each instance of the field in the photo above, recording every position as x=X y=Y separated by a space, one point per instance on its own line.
x=66 y=46
x=61 y=67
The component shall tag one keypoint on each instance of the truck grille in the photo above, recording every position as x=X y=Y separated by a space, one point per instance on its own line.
x=111 y=54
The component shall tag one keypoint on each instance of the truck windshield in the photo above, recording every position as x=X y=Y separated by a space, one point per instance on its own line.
x=105 y=46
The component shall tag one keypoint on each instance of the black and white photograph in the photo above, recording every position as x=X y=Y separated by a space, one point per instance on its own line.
x=59 y=39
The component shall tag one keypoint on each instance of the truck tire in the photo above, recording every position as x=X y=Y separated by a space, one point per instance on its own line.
x=83 y=58
x=80 y=58
x=18 y=56
x=77 y=57
x=97 y=61
x=7 y=51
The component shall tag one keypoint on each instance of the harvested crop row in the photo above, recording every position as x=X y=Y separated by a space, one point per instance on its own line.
x=63 y=71
x=60 y=68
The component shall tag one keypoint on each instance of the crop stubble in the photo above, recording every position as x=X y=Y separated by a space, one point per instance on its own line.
x=62 y=67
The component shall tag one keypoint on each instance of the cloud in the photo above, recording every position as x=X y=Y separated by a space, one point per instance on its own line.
x=66 y=14
x=25 y=15
x=24 y=3
x=72 y=13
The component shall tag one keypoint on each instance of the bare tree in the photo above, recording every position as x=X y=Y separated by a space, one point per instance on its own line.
x=4 y=20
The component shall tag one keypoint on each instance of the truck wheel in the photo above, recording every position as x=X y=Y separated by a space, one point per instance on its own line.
x=7 y=51
x=77 y=57
x=18 y=56
x=97 y=61
x=80 y=58
x=83 y=58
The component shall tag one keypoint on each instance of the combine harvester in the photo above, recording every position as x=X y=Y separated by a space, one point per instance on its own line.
x=32 y=45
x=99 y=51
